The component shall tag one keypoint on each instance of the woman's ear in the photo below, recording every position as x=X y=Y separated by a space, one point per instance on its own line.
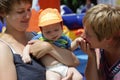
x=109 y=41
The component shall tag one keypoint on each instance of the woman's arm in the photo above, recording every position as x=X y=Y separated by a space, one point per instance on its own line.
x=7 y=67
x=91 y=72
x=65 y=56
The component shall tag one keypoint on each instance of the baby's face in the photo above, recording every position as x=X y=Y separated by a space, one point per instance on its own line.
x=52 y=32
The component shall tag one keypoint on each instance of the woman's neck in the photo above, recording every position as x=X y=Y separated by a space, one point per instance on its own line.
x=18 y=36
x=112 y=55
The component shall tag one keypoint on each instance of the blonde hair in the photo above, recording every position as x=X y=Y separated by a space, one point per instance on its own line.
x=104 y=20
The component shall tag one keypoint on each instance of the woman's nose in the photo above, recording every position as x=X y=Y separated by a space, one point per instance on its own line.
x=27 y=15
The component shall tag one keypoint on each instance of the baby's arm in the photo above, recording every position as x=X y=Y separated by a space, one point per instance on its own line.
x=26 y=54
x=76 y=43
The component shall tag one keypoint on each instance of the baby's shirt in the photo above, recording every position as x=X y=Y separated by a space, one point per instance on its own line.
x=63 y=42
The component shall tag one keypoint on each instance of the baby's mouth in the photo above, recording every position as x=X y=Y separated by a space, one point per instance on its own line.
x=54 y=37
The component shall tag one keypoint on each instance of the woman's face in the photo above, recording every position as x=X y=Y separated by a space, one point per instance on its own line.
x=52 y=32
x=18 y=18
x=92 y=39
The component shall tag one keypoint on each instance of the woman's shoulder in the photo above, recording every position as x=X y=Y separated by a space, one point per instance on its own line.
x=5 y=52
x=6 y=58
x=3 y=45
x=4 y=48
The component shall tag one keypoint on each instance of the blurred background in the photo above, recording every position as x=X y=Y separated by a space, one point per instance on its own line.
x=75 y=4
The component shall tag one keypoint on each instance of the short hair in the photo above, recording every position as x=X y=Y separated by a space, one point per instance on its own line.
x=104 y=20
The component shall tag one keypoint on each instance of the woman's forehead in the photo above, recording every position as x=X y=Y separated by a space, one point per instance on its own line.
x=22 y=5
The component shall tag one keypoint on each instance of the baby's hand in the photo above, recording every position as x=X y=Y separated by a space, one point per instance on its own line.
x=78 y=40
x=26 y=56
x=26 y=59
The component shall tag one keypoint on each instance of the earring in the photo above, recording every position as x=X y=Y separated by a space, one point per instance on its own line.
x=3 y=29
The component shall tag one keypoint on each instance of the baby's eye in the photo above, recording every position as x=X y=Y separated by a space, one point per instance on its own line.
x=29 y=9
x=48 y=32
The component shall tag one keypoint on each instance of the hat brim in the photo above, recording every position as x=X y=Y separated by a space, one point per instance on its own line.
x=46 y=23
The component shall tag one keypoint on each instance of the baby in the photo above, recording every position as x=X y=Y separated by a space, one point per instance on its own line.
x=51 y=25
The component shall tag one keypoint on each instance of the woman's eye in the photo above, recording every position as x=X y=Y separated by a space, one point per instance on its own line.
x=20 y=12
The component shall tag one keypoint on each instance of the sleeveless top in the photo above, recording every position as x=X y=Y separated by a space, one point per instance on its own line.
x=109 y=73
x=33 y=71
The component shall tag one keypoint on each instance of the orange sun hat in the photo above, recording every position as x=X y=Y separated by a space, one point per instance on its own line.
x=49 y=16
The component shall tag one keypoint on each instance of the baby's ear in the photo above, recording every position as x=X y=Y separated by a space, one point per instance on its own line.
x=40 y=11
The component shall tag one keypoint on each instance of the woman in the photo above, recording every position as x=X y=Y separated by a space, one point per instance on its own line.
x=17 y=14
x=102 y=31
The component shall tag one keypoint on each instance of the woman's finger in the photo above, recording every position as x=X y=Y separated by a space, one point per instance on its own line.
x=68 y=77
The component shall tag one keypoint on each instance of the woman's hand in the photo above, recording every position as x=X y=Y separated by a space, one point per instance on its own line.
x=65 y=56
x=91 y=71
x=39 y=48
x=85 y=46
x=69 y=76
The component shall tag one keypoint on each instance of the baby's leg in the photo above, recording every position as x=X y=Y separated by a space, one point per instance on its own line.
x=50 y=75
x=26 y=56
x=76 y=73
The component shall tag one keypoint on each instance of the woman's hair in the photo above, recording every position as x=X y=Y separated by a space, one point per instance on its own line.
x=104 y=21
x=7 y=5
